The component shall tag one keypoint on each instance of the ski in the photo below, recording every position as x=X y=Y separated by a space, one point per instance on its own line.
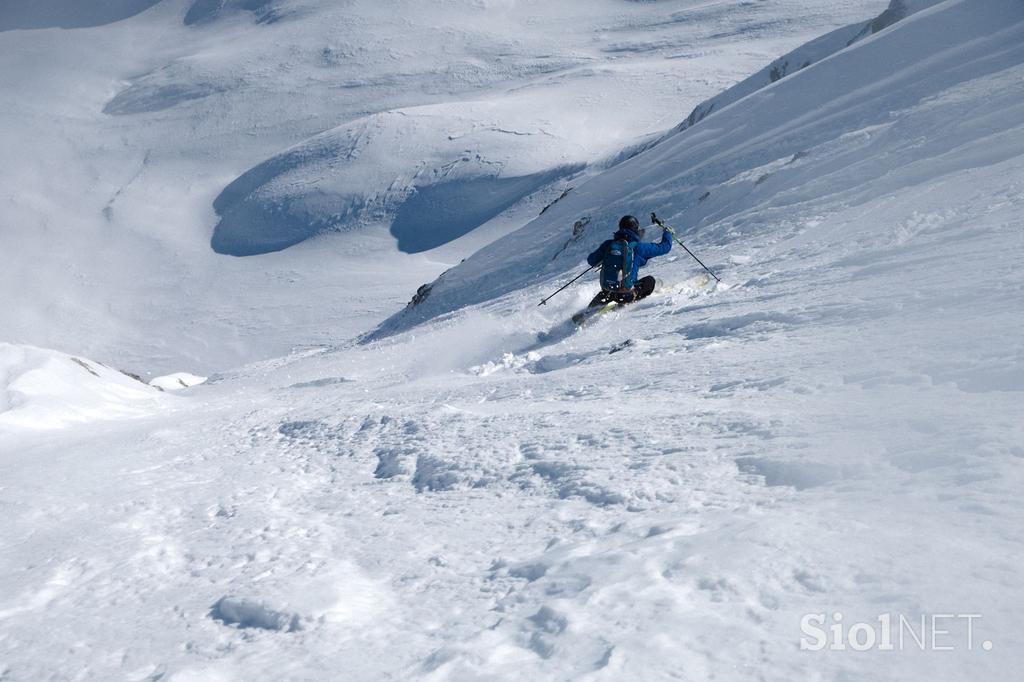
x=584 y=316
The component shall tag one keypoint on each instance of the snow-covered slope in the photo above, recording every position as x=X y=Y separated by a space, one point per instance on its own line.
x=44 y=389
x=807 y=54
x=120 y=136
x=434 y=173
x=841 y=137
x=480 y=491
x=63 y=14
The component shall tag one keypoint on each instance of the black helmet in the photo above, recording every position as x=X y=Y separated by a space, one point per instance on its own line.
x=628 y=222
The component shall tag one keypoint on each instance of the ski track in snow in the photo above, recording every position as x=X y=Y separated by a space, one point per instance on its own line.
x=511 y=522
x=495 y=494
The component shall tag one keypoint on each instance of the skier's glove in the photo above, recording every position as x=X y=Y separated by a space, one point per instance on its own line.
x=668 y=229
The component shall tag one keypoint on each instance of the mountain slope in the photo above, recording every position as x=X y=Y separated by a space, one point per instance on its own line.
x=834 y=432
x=63 y=14
x=836 y=135
x=121 y=136
x=805 y=55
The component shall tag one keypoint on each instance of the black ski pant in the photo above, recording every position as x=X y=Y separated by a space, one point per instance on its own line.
x=643 y=288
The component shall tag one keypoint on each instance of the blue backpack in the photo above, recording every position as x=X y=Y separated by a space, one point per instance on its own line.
x=617 y=266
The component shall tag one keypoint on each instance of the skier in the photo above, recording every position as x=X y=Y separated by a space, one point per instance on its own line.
x=621 y=257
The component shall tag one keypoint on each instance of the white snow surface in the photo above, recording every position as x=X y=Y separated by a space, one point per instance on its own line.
x=120 y=136
x=177 y=381
x=808 y=54
x=475 y=489
x=44 y=389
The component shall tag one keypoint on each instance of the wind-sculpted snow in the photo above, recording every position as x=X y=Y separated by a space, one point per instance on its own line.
x=206 y=11
x=436 y=214
x=805 y=55
x=178 y=82
x=146 y=97
x=435 y=173
x=33 y=14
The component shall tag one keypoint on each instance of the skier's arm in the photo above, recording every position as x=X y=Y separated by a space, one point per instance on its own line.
x=650 y=250
x=596 y=257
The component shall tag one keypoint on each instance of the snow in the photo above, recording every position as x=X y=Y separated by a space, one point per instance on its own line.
x=843 y=134
x=440 y=171
x=43 y=389
x=176 y=381
x=805 y=55
x=125 y=132
x=63 y=14
x=473 y=488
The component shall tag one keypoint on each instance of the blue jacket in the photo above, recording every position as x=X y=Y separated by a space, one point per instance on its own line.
x=643 y=251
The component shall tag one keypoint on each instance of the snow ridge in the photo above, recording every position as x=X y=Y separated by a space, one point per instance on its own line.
x=44 y=389
x=807 y=54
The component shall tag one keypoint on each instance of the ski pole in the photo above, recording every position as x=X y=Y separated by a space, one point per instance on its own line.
x=567 y=284
x=657 y=221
